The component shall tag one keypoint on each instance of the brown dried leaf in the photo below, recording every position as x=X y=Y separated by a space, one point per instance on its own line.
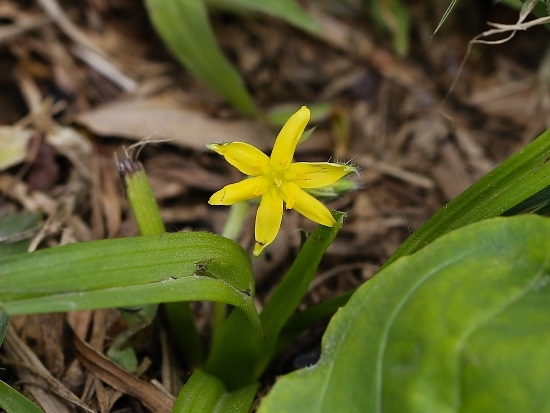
x=152 y=397
x=161 y=117
x=31 y=370
x=14 y=141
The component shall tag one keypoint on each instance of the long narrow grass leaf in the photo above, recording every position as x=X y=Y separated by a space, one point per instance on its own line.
x=184 y=27
x=129 y=271
x=14 y=402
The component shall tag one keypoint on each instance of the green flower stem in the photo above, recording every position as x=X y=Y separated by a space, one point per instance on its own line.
x=239 y=357
x=233 y=227
x=292 y=289
x=149 y=220
x=235 y=221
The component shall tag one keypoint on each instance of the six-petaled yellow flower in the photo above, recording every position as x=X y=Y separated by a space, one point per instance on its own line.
x=278 y=180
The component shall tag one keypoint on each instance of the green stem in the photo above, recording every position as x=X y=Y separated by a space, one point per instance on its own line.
x=149 y=221
x=232 y=229
x=235 y=221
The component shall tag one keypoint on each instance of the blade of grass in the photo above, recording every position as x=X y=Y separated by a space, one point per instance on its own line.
x=292 y=289
x=445 y=16
x=14 y=402
x=184 y=27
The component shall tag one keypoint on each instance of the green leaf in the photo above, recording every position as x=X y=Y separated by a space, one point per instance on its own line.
x=288 y=10
x=140 y=194
x=184 y=27
x=538 y=203
x=461 y=325
x=205 y=393
x=521 y=176
x=14 y=402
x=126 y=272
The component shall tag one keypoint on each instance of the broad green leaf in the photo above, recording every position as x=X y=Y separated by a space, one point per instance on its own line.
x=14 y=402
x=128 y=272
x=205 y=393
x=288 y=10
x=184 y=27
x=521 y=176
x=460 y=326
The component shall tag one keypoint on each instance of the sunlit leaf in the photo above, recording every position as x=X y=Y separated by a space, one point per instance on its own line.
x=459 y=326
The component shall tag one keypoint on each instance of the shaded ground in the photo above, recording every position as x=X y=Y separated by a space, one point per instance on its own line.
x=416 y=148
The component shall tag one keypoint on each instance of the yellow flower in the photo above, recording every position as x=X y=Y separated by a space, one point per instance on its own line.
x=278 y=180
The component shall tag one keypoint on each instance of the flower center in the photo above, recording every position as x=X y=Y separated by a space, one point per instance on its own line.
x=277 y=177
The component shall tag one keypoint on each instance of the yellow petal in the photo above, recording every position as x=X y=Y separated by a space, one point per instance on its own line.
x=310 y=207
x=317 y=174
x=268 y=220
x=240 y=191
x=285 y=144
x=246 y=158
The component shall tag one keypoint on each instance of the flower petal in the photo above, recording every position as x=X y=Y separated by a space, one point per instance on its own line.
x=240 y=191
x=268 y=220
x=246 y=158
x=310 y=207
x=317 y=174
x=285 y=144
